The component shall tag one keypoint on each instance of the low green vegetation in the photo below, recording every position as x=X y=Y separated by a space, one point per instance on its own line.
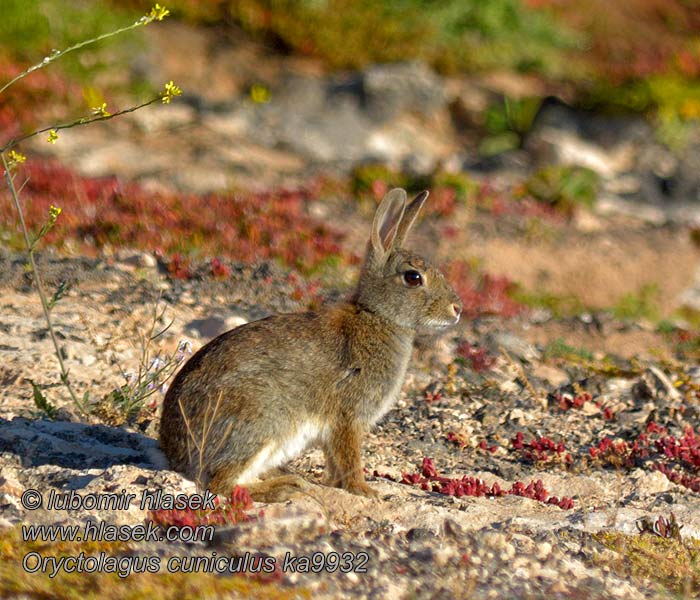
x=506 y=123
x=16 y=582
x=31 y=29
x=559 y=305
x=451 y=34
x=642 y=305
x=374 y=177
x=673 y=564
x=560 y=349
x=565 y=187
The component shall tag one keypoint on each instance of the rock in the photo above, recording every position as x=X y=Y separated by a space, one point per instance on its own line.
x=519 y=416
x=207 y=328
x=544 y=549
x=654 y=384
x=668 y=176
x=611 y=205
x=235 y=321
x=88 y=359
x=136 y=258
x=565 y=135
x=386 y=113
x=690 y=298
x=210 y=327
x=590 y=408
x=553 y=376
x=566 y=148
x=316 y=119
x=77 y=445
x=393 y=88
x=623 y=150
x=74 y=350
x=9 y=478
x=420 y=533
x=468 y=102
x=650 y=483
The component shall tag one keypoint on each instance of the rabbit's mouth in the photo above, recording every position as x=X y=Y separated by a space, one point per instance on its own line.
x=440 y=324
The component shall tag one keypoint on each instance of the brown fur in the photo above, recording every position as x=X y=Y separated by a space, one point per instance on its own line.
x=329 y=374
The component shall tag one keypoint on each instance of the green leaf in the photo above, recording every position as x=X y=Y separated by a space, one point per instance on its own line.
x=42 y=402
x=61 y=290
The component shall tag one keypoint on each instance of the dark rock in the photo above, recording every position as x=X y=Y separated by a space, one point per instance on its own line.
x=206 y=328
x=419 y=533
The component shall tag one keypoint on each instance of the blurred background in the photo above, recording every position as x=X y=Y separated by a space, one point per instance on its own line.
x=559 y=138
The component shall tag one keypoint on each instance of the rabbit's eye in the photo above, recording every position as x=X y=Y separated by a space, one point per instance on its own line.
x=412 y=278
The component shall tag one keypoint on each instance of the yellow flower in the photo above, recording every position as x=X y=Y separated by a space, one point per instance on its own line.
x=54 y=211
x=53 y=136
x=690 y=109
x=171 y=90
x=260 y=94
x=15 y=158
x=101 y=111
x=158 y=13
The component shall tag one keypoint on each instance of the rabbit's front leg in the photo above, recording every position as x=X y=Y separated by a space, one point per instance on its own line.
x=344 y=448
x=331 y=476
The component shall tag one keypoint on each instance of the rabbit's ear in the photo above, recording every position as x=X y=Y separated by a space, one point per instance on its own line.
x=409 y=218
x=387 y=221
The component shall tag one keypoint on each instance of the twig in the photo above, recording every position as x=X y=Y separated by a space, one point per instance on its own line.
x=157 y=13
x=526 y=382
x=145 y=20
x=207 y=424
x=40 y=286
x=82 y=121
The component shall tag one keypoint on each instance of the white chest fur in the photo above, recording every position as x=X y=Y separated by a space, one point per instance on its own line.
x=393 y=392
x=278 y=452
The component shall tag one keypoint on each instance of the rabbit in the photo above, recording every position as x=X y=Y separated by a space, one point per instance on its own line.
x=258 y=395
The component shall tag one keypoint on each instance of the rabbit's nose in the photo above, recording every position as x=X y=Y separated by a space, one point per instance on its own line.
x=456 y=309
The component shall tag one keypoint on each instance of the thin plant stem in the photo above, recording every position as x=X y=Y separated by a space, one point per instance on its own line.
x=56 y=55
x=82 y=121
x=40 y=286
x=157 y=13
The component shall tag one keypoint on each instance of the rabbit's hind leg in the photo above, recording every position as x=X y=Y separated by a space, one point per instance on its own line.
x=275 y=489
x=224 y=480
x=278 y=489
x=229 y=473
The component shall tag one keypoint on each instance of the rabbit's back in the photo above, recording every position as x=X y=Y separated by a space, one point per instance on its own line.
x=259 y=353
x=259 y=375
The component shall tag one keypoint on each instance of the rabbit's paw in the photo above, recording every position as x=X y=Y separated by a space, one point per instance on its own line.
x=331 y=480
x=362 y=489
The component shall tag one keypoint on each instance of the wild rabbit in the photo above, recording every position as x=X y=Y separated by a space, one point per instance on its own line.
x=256 y=396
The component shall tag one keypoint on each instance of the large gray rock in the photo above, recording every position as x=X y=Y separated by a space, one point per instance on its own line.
x=624 y=150
x=394 y=88
x=386 y=113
